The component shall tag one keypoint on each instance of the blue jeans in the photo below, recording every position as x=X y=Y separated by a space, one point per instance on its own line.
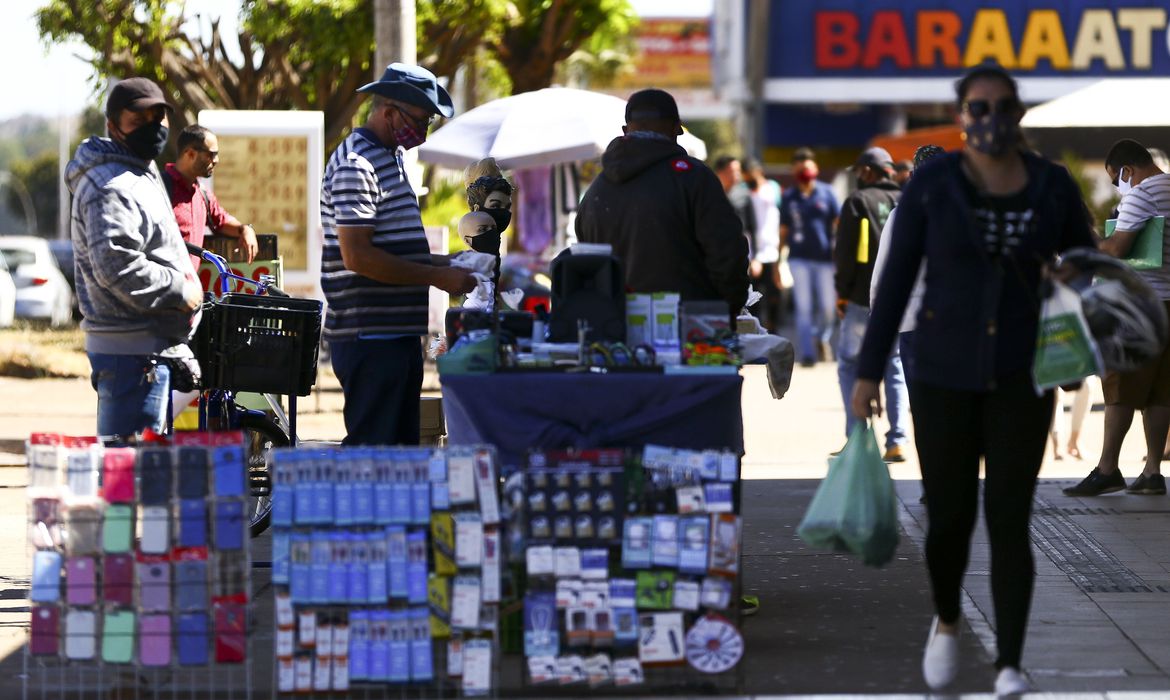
x=897 y=398
x=128 y=401
x=381 y=380
x=812 y=287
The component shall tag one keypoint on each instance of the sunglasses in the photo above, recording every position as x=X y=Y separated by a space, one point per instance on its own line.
x=981 y=108
x=422 y=123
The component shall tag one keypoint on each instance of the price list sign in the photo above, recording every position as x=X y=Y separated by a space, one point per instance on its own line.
x=261 y=180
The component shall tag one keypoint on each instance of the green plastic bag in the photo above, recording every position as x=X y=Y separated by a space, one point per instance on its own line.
x=854 y=508
x=1065 y=350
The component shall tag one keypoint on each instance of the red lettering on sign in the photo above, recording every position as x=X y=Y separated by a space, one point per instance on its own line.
x=938 y=38
x=836 y=40
x=887 y=39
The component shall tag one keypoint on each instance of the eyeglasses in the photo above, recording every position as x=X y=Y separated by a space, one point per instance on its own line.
x=422 y=123
x=981 y=108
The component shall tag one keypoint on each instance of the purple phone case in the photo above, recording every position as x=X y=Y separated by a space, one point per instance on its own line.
x=45 y=630
x=154 y=585
x=81 y=580
x=118 y=579
x=154 y=640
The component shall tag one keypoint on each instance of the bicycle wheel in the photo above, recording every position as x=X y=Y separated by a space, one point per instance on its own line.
x=261 y=434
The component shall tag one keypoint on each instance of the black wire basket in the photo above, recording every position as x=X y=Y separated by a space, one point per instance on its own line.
x=263 y=344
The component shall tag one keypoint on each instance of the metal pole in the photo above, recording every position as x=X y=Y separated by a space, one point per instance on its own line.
x=26 y=203
x=64 y=132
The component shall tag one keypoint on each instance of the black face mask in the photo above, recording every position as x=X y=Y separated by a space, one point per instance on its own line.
x=502 y=217
x=995 y=134
x=148 y=141
x=488 y=242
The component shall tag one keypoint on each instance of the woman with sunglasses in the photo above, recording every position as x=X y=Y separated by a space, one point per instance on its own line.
x=986 y=220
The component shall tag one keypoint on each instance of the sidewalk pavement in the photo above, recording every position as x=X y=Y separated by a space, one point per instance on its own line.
x=1101 y=613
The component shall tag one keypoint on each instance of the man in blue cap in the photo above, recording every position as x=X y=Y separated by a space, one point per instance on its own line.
x=376 y=266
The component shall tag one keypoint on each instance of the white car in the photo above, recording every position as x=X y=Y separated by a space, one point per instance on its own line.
x=7 y=296
x=42 y=292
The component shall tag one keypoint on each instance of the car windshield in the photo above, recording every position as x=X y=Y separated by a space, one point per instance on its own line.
x=15 y=257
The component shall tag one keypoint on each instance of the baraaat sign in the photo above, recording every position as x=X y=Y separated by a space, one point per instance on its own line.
x=1052 y=46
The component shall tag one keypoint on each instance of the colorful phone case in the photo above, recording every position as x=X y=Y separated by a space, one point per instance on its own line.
x=118 y=579
x=154 y=586
x=154 y=640
x=117 y=529
x=44 y=631
x=118 y=637
x=81 y=580
x=46 y=577
x=118 y=475
x=193 y=472
x=229 y=524
x=193 y=639
x=229 y=471
x=157 y=475
x=193 y=522
x=80 y=634
x=156 y=530
x=230 y=641
x=83 y=527
x=191 y=586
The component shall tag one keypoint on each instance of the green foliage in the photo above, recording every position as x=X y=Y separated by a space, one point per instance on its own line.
x=39 y=177
x=445 y=204
x=1100 y=211
x=720 y=136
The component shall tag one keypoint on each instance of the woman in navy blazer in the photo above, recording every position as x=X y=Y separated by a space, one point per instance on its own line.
x=987 y=219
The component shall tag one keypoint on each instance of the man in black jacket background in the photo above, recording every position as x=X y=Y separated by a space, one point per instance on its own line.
x=863 y=215
x=664 y=212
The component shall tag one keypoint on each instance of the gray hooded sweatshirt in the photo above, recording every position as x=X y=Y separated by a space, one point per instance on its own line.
x=130 y=260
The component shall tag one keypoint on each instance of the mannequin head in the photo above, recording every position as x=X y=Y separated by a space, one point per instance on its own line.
x=479 y=232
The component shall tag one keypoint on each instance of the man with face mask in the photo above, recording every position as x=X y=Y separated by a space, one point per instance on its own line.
x=1145 y=194
x=863 y=215
x=136 y=287
x=197 y=209
x=376 y=265
x=808 y=215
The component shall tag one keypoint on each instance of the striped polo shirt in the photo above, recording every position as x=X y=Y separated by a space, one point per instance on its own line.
x=365 y=185
x=1149 y=198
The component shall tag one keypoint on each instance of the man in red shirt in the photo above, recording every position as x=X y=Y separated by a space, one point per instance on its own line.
x=197 y=209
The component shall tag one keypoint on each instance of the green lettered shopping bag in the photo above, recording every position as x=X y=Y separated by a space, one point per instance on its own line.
x=854 y=508
x=1065 y=350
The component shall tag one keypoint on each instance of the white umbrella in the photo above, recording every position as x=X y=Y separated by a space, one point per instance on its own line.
x=532 y=129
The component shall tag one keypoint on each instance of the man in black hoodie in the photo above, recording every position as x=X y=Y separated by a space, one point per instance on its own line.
x=859 y=229
x=665 y=213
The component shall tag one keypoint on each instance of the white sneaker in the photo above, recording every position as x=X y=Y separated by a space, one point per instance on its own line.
x=1011 y=682
x=940 y=661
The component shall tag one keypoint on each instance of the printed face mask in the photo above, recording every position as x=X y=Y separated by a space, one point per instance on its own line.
x=148 y=141
x=994 y=134
x=408 y=137
x=502 y=217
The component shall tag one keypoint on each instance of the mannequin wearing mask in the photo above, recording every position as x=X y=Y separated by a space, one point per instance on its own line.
x=490 y=194
x=478 y=230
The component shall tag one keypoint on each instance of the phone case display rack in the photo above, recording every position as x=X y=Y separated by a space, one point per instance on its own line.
x=631 y=573
x=140 y=577
x=386 y=565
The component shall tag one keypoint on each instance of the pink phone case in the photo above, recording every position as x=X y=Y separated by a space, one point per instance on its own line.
x=118 y=475
x=45 y=630
x=81 y=580
x=154 y=640
x=118 y=579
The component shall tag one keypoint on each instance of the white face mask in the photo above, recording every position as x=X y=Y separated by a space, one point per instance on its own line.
x=1123 y=186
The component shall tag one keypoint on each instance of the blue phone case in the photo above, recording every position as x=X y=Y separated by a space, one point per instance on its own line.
x=46 y=577
x=156 y=473
x=192 y=522
x=229 y=524
x=191 y=586
x=192 y=472
x=229 y=471
x=193 y=639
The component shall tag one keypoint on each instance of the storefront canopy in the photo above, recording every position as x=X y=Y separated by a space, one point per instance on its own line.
x=1089 y=120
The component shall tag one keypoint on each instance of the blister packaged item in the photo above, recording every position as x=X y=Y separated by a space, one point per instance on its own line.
x=686 y=595
x=542 y=669
x=715 y=593
x=628 y=672
x=80 y=635
x=477 y=667
x=655 y=590
x=468 y=540
x=465 y=604
x=571 y=669
x=83 y=527
x=485 y=481
x=636 y=543
x=599 y=670
x=725 y=544
x=540 y=561
x=714 y=645
x=661 y=638
x=491 y=565
x=665 y=545
x=692 y=557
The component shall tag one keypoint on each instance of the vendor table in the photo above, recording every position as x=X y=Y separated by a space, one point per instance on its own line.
x=516 y=411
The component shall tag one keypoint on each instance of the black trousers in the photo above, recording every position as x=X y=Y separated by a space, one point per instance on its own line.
x=381 y=381
x=1007 y=427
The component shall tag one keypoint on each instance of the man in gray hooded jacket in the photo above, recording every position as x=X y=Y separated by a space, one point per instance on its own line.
x=138 y=292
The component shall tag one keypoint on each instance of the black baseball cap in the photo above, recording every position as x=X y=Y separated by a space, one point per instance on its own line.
x=650 y=104
x=135 y=94
x=876 y=157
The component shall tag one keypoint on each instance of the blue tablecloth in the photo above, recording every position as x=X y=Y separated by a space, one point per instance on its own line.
x=518 y=411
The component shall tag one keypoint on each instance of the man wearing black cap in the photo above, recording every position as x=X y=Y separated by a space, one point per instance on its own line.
x=863 y=215
x=376 y=266
x=665 y=213
x=136 y=287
